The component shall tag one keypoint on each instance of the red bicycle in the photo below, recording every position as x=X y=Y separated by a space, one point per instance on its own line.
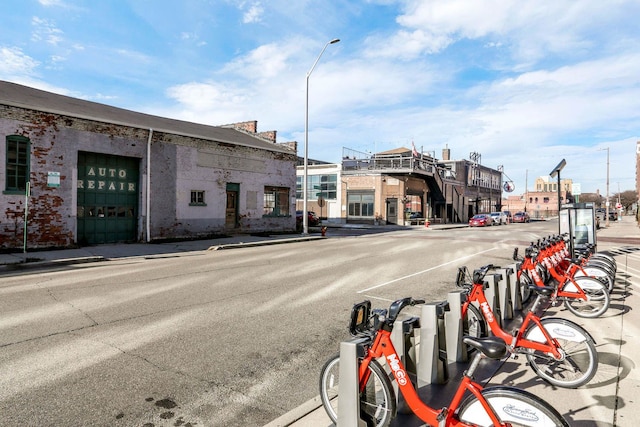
x=491 y=406
x=582 y=295
x=558 y=350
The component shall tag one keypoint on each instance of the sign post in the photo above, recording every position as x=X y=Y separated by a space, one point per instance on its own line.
x=27 y=194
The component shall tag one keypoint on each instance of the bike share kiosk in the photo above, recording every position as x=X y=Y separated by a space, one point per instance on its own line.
x=578 y=220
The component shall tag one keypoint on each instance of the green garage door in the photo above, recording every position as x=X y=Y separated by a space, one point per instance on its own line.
x=107 y=198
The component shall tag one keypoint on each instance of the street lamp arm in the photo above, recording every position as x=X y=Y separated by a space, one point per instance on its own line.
x=321 y=52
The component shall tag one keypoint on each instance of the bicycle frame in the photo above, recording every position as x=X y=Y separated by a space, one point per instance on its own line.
x=383 y=347
x=529 y=266
x=551 y=346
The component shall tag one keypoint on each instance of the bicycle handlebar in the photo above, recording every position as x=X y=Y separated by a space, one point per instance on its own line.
x=478 y=274
x=396 y=307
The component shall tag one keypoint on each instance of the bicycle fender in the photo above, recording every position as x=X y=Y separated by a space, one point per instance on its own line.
x=473 y=412
x=583 y=281
x=559 y=328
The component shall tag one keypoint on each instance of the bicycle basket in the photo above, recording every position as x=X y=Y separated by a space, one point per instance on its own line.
x=359 y=323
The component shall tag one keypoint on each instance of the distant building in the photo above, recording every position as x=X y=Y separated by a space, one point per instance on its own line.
x=392 y=186
x=542 y=202
x=78 y=172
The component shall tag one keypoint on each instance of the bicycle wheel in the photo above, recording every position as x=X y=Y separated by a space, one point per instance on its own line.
x=523 y=285
x=597 y=297
x=580 y=361
x=511 y=405
x=597 y=273
x=473 y=325
x=377 y=401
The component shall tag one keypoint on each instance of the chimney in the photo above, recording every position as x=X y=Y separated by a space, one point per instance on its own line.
x=268 y=135
x=446 y=153
x=249 y=127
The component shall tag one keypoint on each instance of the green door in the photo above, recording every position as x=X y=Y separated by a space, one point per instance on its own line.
x=107 y=198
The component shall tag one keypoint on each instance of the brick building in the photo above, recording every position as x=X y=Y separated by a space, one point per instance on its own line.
x=390 y=186
x=542 y=202
x=85 y=173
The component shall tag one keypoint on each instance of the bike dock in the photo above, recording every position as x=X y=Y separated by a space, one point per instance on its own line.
x=434 y=352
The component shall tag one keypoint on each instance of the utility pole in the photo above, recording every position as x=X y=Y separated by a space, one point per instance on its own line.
x=607 y=202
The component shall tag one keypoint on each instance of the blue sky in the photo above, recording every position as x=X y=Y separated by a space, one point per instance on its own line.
x=524 y=83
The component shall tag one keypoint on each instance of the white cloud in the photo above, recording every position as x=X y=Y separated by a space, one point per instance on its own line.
x=263 y=62
x=13 y=62
x=254 y=14
x=46 y=31
x=49 y=3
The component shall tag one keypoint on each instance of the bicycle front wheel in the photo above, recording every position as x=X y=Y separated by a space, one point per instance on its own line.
x=580 y=361
x=377 y=400
x=597 y=301
x=511 y=405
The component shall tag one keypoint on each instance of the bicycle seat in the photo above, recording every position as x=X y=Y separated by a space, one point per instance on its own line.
x=492 y=347
x=542 y=290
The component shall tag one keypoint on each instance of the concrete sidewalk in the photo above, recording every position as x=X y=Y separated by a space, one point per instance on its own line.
x=47 y=258
x=610 y=398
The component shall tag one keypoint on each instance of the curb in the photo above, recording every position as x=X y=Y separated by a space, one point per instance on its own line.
x=263 y=243
x=297 y=414
x=24 y=265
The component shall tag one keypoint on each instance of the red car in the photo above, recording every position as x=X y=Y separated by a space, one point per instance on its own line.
x=481 y=220
x=521 y=217
x=313 y=219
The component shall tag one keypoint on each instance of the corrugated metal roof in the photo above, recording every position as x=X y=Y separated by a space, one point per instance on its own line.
x=27 y=97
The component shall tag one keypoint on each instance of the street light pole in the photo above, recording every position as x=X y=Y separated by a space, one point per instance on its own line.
x=305 y=214
x=607 y=200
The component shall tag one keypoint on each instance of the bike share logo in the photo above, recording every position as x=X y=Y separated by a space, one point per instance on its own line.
x=523 y=414
x=564 y=332
x=487 y=311
x=534 y=274
x=394 y=363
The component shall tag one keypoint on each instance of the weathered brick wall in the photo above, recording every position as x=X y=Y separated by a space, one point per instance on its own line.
x=55 y=141
x=175 y=171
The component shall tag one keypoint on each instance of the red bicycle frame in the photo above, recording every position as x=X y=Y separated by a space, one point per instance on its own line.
x=518 y=340
x=529 y=266
x=383 y=347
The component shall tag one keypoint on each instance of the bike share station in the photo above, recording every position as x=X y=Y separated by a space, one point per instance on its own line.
x=578 y=221
x=431 y=348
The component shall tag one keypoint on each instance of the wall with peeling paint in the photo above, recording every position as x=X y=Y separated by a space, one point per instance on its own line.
x=179 y=164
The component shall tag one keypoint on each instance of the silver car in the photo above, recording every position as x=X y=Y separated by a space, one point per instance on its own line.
x=498 y=218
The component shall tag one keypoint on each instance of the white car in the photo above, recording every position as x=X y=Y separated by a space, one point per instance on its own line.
x=498 y=218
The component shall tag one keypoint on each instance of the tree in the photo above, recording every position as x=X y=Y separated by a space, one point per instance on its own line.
x=627 y=198
x=594 y=198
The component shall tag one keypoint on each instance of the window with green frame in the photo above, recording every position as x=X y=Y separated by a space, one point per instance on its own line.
x=17 y=164
x=319 y=185
x=276 y=201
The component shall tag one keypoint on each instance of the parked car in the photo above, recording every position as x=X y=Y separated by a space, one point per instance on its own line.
x=499 y=218
x=602 y=214
x=313 y=219
x=481 y=220
x=521 y=217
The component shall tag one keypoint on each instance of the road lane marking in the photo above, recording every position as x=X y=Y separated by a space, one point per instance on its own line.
x=423 y=271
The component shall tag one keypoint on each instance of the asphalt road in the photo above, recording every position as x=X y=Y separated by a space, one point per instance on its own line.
x=221 y=338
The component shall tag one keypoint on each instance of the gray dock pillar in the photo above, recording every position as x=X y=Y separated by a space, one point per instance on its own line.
x=432 y=357
x=456 y=352
x=504 y=297
x=492 y=293
x=348 y=389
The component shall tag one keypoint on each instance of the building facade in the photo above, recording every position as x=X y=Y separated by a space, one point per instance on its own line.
x=393 y=186
x=78 y=172
x=541 y=203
